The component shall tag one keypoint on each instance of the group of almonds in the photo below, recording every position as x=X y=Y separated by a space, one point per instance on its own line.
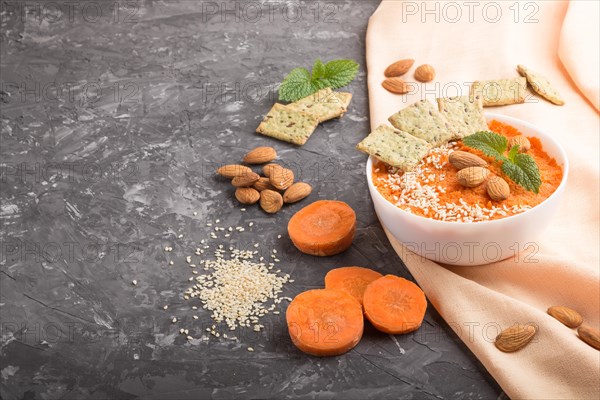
x=518 y=336
x=393 y=83
x=252 y=187
x=472 y=170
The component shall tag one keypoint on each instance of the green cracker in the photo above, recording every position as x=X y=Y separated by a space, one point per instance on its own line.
x=393 y=147
x=500 y=92
x=465 y=115
x=288 y=125
x=324 y=104
x=423 y=120
x=541 y=85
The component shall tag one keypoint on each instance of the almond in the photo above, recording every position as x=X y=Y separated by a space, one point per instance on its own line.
x=424 y=73
x=233 y=170
x=245 y=180
x=566 y=315
x=260 y=155
x=589 y=335
x=270 y=201
x=268 y=168
x=281 y=178
x=395 y=85
x=296 y=192
x=521 y=141
x=262 y=184
x=515 y=338
x=497 y=188
x=246 y=195
x=462 y=159
x=398 y=68
x=472 y=176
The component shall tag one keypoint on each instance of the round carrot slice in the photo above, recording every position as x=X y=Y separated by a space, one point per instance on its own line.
x=394 y=305
x=352 y=280
x=325 y=322
x=323 y=228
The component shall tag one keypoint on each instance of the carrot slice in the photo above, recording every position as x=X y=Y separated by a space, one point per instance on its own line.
x=325 y=322
x=323 y=228
x=394 y=305
x=352 y=280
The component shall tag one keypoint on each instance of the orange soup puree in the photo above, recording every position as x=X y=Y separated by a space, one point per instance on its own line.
x=432 y=190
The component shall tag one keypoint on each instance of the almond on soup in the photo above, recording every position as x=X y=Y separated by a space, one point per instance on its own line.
x=432 y=189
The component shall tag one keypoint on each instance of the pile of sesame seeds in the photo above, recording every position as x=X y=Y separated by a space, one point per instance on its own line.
x=420 y=190
x=237 y=286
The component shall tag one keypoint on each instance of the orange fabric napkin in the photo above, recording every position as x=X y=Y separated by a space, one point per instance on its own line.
x=560 y=40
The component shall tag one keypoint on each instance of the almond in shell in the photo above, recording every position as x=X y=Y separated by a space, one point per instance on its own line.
x=297 y=192
x=262 y=184
x=396 y=86
x=267 y=169
x=232 y=170
x=247 y=195
x=260 y=155
x=566 y=315
x=521 y=141
x=270 y=201
x=589 y=335
x=515 y=338
x=472 y=176
x=245 y=180
x=497 y=188
x=281 y=178
x=425 y=73
x=398 y=68
x=463 y=159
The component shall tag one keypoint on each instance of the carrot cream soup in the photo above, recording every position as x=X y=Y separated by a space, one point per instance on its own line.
x=432 y=189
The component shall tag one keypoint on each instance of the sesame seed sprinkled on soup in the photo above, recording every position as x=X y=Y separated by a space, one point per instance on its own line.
x=432 y=190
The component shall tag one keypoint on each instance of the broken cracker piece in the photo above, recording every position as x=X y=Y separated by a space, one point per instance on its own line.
x=500 y=92
x=541 y=85
x=288 y=125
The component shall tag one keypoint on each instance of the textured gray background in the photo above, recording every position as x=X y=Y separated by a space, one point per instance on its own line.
x=112 y=126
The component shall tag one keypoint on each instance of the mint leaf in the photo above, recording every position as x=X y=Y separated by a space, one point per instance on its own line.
x=340 y=73
x=300 y=82
x=295 y=85
x=523 y=171
x=513 y=152
x=318 y=70
x=490 y=143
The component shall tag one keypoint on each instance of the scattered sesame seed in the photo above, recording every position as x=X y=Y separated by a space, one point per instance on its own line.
x=250 y=223
x=134 y=282
x=195 y=213
x=189 y=337
x=171 y=263
x=250 y=349
x=174 y=320
x=165 y=306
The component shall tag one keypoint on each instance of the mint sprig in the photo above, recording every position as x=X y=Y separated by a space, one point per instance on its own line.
x=521 y=168
x=300 y=82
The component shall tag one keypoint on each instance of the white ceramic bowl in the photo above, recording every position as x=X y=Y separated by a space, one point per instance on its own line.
x=477 y=243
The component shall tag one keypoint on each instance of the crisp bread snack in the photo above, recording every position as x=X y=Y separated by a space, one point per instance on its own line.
x=541 y=85
x=324 y=104
x=464 y=114
x=500 y=92
x=288 y=125
x=423 y=120
x=396 y=148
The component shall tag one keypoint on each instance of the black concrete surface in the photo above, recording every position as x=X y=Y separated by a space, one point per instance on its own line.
x=114 y=117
